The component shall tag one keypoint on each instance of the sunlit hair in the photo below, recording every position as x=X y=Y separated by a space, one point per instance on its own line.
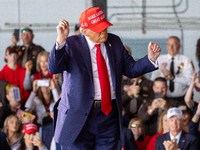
x=160 y=126
x=134 y=120
x=43 y=53
x=5 y=127
x=174 y=37
x=10 y=87
x=160 y=79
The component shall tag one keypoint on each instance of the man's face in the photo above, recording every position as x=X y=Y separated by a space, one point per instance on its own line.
x=160 y=87
x=27 y=37
x=97 y=38
x=173 y=46
x=175 y=124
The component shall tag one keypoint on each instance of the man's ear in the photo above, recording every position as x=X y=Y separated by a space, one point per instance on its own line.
x=84 y=31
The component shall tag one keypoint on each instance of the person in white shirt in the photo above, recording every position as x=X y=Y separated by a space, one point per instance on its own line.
x=179 y=73
x=176 y=138
x=41 y=102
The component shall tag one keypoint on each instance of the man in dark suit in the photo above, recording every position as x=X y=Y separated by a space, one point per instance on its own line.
x=176 y=139
x=93 y=62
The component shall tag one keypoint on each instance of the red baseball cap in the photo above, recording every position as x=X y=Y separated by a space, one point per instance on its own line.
x=93 y=18
x=29 y=128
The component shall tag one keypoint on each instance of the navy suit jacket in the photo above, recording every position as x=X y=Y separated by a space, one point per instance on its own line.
x=78 y=86
x=187 y=141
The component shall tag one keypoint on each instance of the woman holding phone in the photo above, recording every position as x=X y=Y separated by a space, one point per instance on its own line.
x=41 y=67
x=31 y=139
x=47 y=94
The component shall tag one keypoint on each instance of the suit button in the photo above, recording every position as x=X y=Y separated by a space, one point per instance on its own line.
x=86 y=114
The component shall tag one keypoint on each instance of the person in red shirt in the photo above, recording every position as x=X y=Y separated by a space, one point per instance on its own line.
x=13 y=72
x=142 y=140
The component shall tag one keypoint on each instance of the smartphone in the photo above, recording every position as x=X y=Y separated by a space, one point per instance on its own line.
x=16 y=94
x=16 y=34
x=42 y=82
x=158 y=95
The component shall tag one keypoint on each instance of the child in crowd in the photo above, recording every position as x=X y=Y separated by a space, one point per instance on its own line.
x=13 y=73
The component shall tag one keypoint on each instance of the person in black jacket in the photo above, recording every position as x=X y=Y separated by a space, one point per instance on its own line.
x=3 y=142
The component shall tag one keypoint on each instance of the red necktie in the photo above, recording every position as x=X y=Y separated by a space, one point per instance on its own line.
x=106 y=105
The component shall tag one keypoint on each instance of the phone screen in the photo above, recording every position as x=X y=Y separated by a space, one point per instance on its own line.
x=158 y=95
x=16 y=34
x=42 y=82
x=16 y=94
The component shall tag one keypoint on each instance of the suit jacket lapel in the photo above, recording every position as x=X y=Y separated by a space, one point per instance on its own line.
x=182 y=140
x=110 y=52
x=84 y=50
x=168 y=137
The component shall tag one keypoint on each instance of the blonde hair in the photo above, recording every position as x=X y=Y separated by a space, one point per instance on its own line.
x=43 y=53
x=5 y=127
x=160 y=126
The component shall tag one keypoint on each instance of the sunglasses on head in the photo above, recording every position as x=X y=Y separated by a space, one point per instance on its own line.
x=136 y=125
x=9 y=49
x=28 y=30
x=26 y=114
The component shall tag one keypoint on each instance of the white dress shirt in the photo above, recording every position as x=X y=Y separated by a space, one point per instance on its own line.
x=177 y=138
x=183 y=79
x=93 y=49
x=36 y=104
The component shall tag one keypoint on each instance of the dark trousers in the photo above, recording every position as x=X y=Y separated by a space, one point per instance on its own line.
x=100 y=132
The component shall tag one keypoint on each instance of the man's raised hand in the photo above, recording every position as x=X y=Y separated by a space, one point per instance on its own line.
x=153 y=51
x=62 y=31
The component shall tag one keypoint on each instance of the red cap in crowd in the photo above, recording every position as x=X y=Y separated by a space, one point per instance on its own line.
x=30 y=128
x=93 y=18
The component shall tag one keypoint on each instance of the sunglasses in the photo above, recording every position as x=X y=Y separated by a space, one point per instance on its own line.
x=28 y=30
x=136 y=125
x=26 y=114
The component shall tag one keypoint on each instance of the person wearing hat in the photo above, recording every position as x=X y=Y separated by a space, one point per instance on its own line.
x=29 y=50
x=13 y=72
x=89 y=112
x=176 y=138
x=31 y=139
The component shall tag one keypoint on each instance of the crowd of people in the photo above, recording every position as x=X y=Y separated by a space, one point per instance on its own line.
x=169 y=110
x=158 y=114
x=27 y=96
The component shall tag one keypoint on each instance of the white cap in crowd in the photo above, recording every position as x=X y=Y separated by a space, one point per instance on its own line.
x=174 y=112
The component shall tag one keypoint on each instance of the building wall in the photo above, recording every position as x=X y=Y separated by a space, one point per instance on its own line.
x=161 y=22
